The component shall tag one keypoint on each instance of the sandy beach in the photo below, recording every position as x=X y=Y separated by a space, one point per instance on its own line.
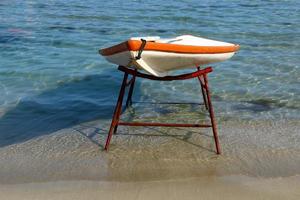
x=260 y=160
x=59 y=90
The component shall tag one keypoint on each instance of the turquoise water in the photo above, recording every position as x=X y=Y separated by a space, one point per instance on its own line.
x=51 y=76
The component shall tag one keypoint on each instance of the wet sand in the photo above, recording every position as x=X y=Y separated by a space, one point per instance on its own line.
x=260 y=159
x=229 y=187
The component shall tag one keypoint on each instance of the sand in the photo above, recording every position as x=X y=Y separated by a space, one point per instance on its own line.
x=260 y=160
x=229 y=187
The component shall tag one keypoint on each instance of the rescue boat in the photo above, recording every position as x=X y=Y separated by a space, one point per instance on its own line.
x=159 y=56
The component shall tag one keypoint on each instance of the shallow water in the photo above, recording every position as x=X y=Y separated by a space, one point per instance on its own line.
x=52 y=77
x=263 y=148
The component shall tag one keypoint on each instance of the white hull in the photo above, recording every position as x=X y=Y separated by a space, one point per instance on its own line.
x=159 y=63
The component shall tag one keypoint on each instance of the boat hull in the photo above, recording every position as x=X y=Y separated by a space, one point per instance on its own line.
x=159 y=56
x=160 y=63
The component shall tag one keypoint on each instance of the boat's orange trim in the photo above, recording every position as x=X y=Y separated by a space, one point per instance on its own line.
x=114 y=49
x=134 y=45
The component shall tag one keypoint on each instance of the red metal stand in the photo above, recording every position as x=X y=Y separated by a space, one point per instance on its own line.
x=201 y=74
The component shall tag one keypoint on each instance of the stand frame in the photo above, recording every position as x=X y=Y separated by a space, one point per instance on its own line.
x=200 y=74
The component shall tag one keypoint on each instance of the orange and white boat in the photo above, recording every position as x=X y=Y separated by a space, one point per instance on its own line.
x=159 y=56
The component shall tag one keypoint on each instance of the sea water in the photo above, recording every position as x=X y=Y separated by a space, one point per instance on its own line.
x=52 y=77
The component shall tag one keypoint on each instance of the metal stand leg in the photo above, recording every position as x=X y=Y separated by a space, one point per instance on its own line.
x=203 y=91
x=117 y=112
x=212 y=117
x=130 y=92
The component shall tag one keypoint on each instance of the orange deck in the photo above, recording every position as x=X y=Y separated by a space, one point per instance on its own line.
x=134 y=45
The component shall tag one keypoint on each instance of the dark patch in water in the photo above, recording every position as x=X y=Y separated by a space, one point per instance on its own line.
x=253 y=107
x=264 y=102
x=216 y=97
x=161 y=31
x=286 y=23
x=8 y=38
x=103 y=31
x=62 y=28
x=163 y=110
x=261 y=105
x=268 y=102
x=40 y=5
x=249 y=5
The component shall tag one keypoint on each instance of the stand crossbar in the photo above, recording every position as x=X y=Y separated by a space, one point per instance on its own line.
x=162 y=124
